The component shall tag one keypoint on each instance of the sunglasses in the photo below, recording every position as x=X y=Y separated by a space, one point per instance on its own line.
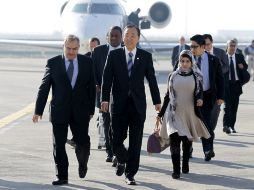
x=193 y=47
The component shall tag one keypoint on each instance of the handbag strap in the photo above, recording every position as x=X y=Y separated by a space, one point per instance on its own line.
x=157 y=126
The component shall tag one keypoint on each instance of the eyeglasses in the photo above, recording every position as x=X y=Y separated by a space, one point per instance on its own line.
x=208 y=44
x=193 y=47
x=232 y=45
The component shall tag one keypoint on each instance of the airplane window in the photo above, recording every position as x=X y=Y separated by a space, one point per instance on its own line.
x=97 y=8
x=80 y=8
x=116 y=9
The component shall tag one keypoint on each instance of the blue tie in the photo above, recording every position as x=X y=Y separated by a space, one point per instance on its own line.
x=130 y=63
x=232 y=70
x=70 y=70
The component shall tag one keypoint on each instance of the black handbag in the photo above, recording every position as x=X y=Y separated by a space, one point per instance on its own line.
x=245 y=75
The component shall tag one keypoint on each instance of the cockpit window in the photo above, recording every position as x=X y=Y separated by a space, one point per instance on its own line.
x=80 y=8
x=100 y=8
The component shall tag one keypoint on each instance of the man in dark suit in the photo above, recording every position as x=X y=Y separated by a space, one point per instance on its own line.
x=221 y=54
x=236 y=64
x=124 y=72
x=213 y=86
x=99 y=56
x=177 y=50
x=93 y=43
x=71 y=77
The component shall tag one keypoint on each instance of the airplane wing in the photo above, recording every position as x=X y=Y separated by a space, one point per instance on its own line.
x=38 y=43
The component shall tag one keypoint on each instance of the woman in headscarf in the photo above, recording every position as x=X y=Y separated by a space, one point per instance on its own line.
x=180 y=111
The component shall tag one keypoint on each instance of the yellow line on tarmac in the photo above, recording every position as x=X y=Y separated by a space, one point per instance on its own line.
x=26 y=110
x=12 y=117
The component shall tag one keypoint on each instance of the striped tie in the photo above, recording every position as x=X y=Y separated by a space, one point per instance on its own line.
x=130 y=63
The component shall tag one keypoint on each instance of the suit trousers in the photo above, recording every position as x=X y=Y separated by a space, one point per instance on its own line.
x=134 y=121
x=105 y=121
x=231 y=104
x=215 y=115
x=206 y=111
x=82 y=140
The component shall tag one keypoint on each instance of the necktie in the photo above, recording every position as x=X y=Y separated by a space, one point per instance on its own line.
x=232 y=70
x=199 y=62
x=129 y=63
x=70 y=70
x=180 y=49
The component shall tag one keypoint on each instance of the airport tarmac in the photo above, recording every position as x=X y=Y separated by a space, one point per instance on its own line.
x=26 y=160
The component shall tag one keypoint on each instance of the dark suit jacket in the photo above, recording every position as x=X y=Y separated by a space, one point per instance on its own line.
x=239 y=59
x=217 y=83
x=88 y=54
x=175 y=53
x=99 y=56
x=79 y=101
x=116 y=74
x=221 y=54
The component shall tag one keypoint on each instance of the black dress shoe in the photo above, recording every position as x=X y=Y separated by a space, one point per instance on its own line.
x=234 y=131
x=120 y=169
x=175 y=175
x=208 y=156
x=109 y=158
x=71 y=142
x=82 y=171
x=114 y=161
x=60 y=182
x=212 y=154
x=130 y=181
x=185 y=168
x=226 y=130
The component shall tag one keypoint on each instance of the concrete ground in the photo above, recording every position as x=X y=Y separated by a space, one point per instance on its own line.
x=26 y=160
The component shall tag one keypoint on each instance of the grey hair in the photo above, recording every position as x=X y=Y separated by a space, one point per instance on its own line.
x=233 y=41
x=71 y=38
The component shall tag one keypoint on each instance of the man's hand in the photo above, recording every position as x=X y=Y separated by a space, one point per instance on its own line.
x=36 y=118
x=104 y=106
x=220 y=101
x=240 y=66
x=199 y=102
x=158 y=107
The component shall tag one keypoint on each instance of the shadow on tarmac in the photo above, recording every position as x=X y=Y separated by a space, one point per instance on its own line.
x=219 y=180
x=4 y=184
x=140 y=184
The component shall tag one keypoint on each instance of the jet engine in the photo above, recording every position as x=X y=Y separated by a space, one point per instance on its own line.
x=159 y=14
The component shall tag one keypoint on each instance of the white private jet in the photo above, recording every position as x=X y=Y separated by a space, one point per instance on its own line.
x=90 y=18
x=93 y=18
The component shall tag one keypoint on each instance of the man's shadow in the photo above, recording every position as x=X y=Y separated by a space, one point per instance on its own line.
x=5 y=184
x=140 y=184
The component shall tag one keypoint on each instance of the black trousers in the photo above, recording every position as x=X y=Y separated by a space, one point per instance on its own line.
x=106 y=124
x=134 y=121
x=215 y=115
x=231 y=104
x=81 y=138
x=206 y=111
